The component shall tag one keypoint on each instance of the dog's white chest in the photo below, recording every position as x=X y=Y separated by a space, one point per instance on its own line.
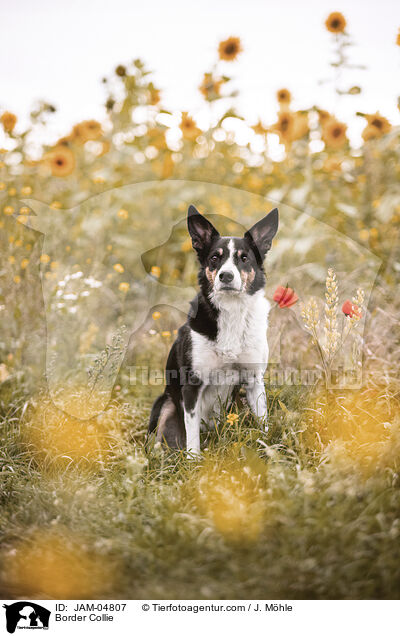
x=241 y=337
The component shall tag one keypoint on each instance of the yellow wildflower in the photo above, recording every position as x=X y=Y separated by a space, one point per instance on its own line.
x=336 y=22
x=229 y=49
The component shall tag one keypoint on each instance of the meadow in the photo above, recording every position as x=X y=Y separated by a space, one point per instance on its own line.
x=96 y=271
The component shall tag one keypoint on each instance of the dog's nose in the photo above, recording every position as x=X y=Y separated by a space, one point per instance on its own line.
x=226 y=277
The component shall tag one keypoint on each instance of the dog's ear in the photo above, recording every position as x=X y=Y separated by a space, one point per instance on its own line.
x=261 y=234
x=202 y=231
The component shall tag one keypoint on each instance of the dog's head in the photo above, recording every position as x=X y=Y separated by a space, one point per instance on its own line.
x=232 y=265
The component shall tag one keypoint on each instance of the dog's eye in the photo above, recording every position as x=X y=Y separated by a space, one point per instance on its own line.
x=214 y=258
x=244 y=257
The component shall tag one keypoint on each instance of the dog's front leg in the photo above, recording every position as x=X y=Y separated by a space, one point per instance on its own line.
x=192 y=414
x=257 y=399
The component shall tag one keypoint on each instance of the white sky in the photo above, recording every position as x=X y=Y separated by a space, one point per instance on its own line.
x=59 y=51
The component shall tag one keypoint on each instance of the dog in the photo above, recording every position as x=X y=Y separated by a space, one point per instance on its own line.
x=223 y=343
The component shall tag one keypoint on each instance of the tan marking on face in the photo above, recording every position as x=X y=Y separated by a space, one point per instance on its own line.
x=211 y=275
x=247 y=278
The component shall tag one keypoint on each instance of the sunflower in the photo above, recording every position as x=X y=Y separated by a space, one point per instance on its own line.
x=8 y=120
x=334 y=133
x=370 y=132
x=210 y=87
x=324 y=116
x=381 y=124
x=64 y=141
x=259 y=129
x=61 y=161
x=284 y=127
x=229 y=49
x=284 y=96
x=188 y=127
x=336 y=22
x=89 y=130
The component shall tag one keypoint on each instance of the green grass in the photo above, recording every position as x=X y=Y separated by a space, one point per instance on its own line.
x=294 y=513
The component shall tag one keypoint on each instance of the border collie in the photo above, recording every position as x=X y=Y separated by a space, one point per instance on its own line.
x=223 y=343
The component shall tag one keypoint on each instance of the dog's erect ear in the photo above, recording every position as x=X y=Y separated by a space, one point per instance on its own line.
x=202 y=231
x=262 y=233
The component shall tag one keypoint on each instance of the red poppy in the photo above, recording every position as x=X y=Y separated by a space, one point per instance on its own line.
x=349 y=309
x=285 y=296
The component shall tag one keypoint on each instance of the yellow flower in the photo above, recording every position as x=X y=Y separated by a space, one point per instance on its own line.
x=8 y=210
x=232 y=418
x=54 y=265
x=2 y=186
x=26 y=190
x=24 y=210
x=17 y=279
x=8 y=120
x=56 y=205
x=12 y=192
x=44 y=258
x=119 y=268
x=284 y=96
x=99 y=180
x=210 y=87
x=155 y=271
x=122 y=214
x=370 y=132
x=89 y=130
x=336 y=22
x=259 y=129
x=24 y=263
x=324 y=116
x=188 y=127
x=381 y=124
x=11 y=260
x=61 y=161
x=166 y=334
x=334 y=134
x=124 y=287
x=156 y=315
x=229 y=49
x=398 y=38
x=18 y=243
x=284 y=127
x=154 y=96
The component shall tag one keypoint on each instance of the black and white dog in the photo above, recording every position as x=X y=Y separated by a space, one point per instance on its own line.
x=223 y=343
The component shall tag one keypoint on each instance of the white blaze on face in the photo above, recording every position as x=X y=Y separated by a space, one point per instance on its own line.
x=229 y=266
